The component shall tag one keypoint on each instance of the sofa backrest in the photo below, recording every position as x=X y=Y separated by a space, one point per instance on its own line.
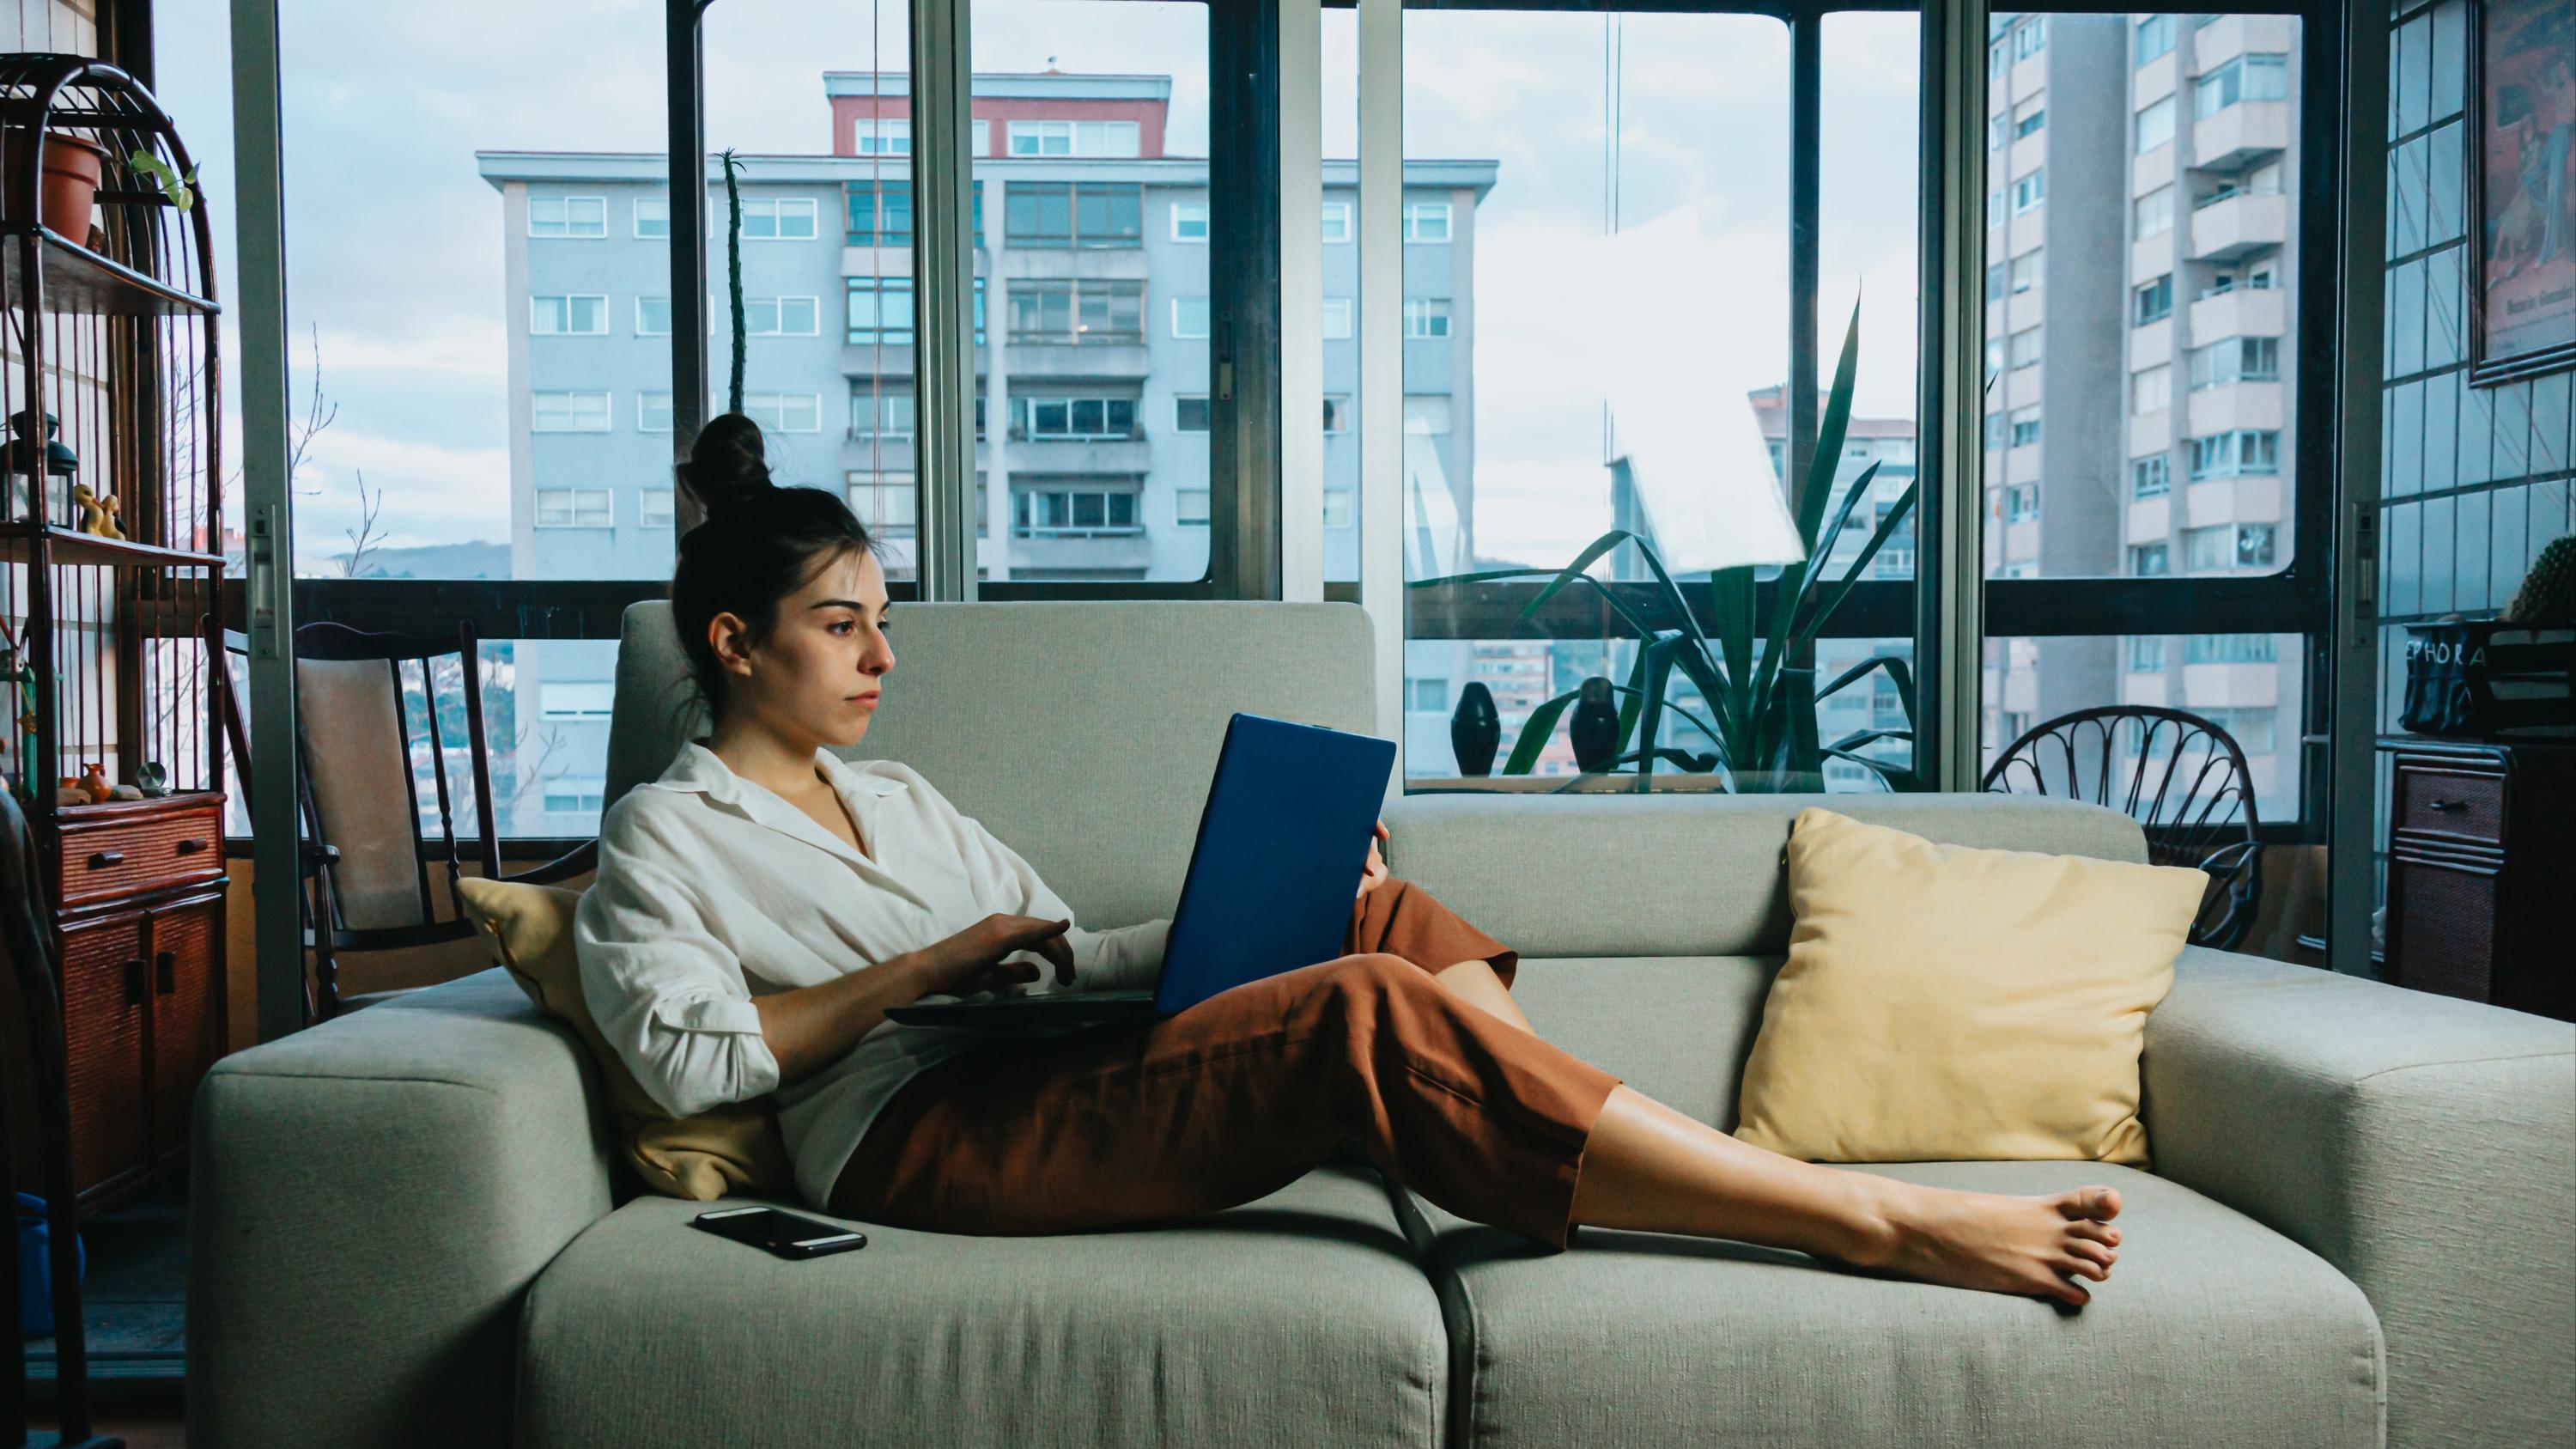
x=1082 y=735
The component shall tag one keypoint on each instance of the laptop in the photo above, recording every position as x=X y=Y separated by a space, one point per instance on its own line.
x=1282 y=842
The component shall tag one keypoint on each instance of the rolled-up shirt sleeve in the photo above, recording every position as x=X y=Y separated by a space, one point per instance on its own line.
x=666 y=992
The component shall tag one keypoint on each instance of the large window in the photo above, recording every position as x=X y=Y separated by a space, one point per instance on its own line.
x=1074 y=214
x=2246 y=78
x=1073 y=419
x=1072 y=313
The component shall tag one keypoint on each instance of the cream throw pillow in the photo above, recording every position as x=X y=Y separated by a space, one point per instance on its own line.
x=731 y=1149
x=1945 y=1004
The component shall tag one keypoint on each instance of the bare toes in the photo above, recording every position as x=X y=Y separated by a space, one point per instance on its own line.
x=2094 y=1232
x=2065 y=1291
x=2097 y=1204
x=2092 y=1253
x=2086 y=1268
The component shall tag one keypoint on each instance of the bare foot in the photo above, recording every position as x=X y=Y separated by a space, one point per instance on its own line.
x=2033 y=1246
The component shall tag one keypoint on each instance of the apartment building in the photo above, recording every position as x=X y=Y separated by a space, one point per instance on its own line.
x=1093 y=334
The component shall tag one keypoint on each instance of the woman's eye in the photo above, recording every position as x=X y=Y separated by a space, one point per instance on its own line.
x=843 y=627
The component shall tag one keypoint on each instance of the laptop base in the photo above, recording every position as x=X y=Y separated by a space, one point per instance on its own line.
x=1055 y=1008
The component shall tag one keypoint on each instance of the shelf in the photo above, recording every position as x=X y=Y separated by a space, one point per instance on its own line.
x=70 y=546
x=81 y=282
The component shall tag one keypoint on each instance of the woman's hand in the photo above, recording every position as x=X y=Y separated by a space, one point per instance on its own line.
x=971 y=960
x=1373 y=874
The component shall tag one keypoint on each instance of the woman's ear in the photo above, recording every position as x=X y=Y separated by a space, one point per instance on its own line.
x=731 y=640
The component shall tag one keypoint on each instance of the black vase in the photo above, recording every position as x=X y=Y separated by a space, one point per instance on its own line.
x=1475 y=730
x=1594 y=729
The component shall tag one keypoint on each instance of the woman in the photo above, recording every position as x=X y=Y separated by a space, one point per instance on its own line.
x=761 y=905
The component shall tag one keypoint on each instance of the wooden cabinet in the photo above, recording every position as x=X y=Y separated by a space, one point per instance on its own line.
x=186 y=1032
x=2482 y=872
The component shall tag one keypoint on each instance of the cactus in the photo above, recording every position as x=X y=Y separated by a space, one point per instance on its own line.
x=2547 y=598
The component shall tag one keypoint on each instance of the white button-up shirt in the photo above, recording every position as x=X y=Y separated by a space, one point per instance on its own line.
x=713 y=890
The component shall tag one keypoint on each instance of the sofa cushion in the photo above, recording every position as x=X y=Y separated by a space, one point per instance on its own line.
x=1296 y=1320
x=2212 y=1330
x=1676 y=1028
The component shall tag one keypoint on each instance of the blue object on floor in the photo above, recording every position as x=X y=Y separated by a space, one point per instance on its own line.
x=36 y=1268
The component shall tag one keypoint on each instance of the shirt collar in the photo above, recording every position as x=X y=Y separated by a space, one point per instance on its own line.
x=699 y=768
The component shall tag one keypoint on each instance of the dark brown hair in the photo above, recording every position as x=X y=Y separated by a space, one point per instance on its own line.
x=759 y=543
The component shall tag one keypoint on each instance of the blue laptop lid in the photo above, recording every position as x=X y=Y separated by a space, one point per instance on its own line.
x=1281 y=846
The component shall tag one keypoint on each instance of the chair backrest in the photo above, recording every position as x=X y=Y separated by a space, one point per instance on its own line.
x=356 y=717
x=1082 y=735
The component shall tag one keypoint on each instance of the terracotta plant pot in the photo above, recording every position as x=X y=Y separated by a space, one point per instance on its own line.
x=73 y=168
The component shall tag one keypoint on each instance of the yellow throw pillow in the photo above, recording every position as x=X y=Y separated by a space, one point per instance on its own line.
x=730 y=1149
x=1944 y=1004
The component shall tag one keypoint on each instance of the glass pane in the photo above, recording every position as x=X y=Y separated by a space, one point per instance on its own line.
x=2243 y=688
x=1096 y=140
x=2141 y=423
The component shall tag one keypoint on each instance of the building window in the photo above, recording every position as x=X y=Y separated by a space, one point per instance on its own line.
x=2024 y=270
x=576 y=508
x=876 y=414
x=1190 y=414
x=2155 y=37
x=785 y=412
x=2151 y=389
x=1074 y=513
x=1994 y=439
x=1337 y=413
x=1073 y=138
x=1189 y=317
x=1426 y=696
x=1085 y=214
x=568 y=216
x=1069 y=311
x=652 y=316
x=2029 y=116
x=2252 y=729
x=2021 y=503
x=2237 y=359
x=2155 y=212
x=2030 y=191
x=1995 y=282
x=2025 y=427
x=1337 y=221
x=1995 y=207
x=2150 y=477
x=1189 y=221
x=1073 y=419
x=2025 y=348
x=2152 y=302
x=2209 y=550
x=1426 y=221
x=2149 y=560
x=782 y=316
x=880 y=310
x=2031 y=38
x=568 y=316
x=1426 y=317
x=1337 y=318
x=2155 y=126
x=2246 y=78
x=1998 y=59
x=2230 y=649
x=652 y=510
x=881 y=216
x=569 y=412
x=653 y=218
x=2146 y=653
x=779 y=218
x=652 y=412
x=876 y=136
x=2254 y=545
x=1998 y=131
x=2227 y=455
x=573 y=797
x=885 y=502
x=1190 y=505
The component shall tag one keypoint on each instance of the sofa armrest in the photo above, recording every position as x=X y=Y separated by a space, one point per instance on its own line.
x=370 y=1200
x=2424 y=1146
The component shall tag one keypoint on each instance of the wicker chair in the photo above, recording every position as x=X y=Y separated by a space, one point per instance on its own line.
x=2181 y=777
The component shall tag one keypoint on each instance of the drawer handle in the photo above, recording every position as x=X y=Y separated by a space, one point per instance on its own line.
x=134 y=982
x=101 y=860
x=165 y=969
x=2450 y=804
x=191 y=846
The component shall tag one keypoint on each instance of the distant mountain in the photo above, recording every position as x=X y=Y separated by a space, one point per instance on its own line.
x=475 y=560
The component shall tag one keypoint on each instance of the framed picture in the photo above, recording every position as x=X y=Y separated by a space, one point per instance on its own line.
x=2522 y=188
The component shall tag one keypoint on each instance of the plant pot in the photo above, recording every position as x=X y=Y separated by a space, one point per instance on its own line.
x=69 y=189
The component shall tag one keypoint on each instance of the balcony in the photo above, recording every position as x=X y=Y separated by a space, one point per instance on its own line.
x=1095 y=551
x=2243 y=312
x=2232 y=405
x=2241 y=135
x=885 y=452
x=1066 y=355
x=2238 y=224
x=1090 y=457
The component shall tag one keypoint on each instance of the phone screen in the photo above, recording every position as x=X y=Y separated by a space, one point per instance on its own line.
x=783 y=1233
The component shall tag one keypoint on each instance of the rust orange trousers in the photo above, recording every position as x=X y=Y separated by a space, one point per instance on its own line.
x=1244 y=1093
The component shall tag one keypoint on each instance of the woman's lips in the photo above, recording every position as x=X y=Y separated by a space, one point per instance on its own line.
x=869 y=699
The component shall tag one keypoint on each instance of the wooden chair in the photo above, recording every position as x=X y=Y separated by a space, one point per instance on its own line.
x=360 y=699
x=2181 y=777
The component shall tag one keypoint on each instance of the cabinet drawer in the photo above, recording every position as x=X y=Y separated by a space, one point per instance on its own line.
x=2435 y=799
x=2442 y=927
x=116 y=857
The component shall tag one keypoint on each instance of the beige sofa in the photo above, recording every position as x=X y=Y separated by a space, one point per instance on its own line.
x=408 y=1229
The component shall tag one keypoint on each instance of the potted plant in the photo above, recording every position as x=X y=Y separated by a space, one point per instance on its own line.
x=68 y=188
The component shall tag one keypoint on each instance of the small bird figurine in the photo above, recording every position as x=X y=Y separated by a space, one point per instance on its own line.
x=98 y=513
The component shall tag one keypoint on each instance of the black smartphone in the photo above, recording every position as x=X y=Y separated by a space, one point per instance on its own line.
x=783 y=1233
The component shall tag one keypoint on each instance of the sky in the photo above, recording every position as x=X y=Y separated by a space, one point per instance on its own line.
x=395 y=248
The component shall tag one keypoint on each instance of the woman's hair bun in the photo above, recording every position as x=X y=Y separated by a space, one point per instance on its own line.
x=728 y=466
